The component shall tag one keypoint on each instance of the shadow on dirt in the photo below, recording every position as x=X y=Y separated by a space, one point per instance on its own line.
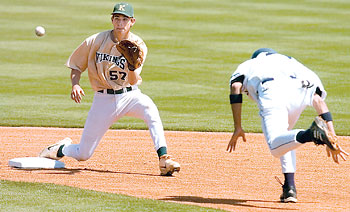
x=72 y=171
x=238 y=202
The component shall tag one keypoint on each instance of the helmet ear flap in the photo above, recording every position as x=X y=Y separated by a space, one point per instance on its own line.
x=257 y=52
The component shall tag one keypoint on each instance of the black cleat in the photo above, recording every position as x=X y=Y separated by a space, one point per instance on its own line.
x=289 y=194
x=320 y=134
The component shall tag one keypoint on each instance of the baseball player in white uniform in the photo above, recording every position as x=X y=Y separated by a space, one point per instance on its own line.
x=116 y=92
x=282 y=88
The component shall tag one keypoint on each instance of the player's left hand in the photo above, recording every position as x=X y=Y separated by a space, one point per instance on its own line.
x=336 y=153
x=132 y=52
x=239 y=132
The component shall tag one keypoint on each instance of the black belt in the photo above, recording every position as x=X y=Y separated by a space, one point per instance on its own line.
x=120 y=91
x=266 y=80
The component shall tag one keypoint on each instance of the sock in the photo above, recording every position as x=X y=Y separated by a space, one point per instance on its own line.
x=59 y=152
x=304 y=136
x=162 y=151
x=289 y=179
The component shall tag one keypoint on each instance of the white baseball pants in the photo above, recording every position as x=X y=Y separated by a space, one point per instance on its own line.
x=281 y=104
x=109 y=108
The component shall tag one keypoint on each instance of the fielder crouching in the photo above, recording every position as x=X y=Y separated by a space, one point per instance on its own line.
x=282 y=88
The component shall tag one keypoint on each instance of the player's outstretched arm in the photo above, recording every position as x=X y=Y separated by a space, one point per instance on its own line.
x=236 y=106
x=77 y=92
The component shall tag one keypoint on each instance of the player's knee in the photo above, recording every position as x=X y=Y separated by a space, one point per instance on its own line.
x=83 y=157
x=274 y=150
x=276 y=153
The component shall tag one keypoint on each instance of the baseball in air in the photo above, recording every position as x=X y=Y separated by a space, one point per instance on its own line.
x=40 y=31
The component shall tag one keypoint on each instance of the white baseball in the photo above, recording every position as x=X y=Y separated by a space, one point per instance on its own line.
x=40 y=31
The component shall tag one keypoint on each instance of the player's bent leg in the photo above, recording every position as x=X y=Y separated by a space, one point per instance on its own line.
x=283 y=143
x=167 y=166
x=77 y=152
x=145 y=109
x=96 y=125
x=88 y=143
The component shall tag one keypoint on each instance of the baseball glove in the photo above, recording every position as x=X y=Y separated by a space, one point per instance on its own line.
x=132 y=52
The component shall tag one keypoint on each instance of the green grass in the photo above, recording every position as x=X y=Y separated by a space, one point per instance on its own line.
x=194 y=46
x=51 y=197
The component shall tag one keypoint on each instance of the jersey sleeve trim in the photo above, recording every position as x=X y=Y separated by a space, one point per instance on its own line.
x=237 y=79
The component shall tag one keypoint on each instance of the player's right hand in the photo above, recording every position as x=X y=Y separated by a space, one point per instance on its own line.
x=77 y=93
x=336 y=154
x=239 y=132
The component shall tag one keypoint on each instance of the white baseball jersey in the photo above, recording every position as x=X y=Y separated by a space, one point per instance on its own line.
x=278 y=67
x=282 y=88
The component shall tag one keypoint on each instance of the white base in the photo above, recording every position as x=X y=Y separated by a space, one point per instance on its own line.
x=35 y=163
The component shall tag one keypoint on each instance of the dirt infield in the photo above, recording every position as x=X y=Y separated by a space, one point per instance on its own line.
x=125 y=162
